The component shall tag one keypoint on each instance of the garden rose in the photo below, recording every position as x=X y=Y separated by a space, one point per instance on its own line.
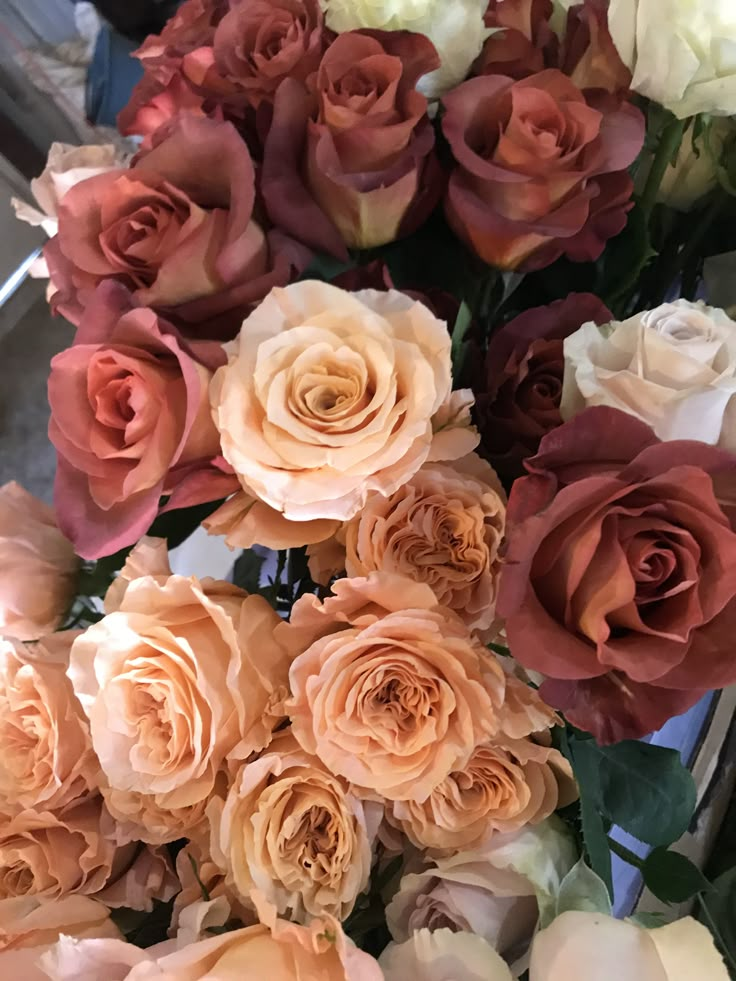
x=38 y=567
x=295 y=832
x=441 y=955
x=518 y=401
x=129 y=419
x=673 y=367
x=330 y=395
x=540 y=168
x=349 y=157
x=611 y=949
x=195 y=868
x=176 y=229
x=46 y=755
x=681 y=52
x=620 y=577
x=456 y=31
x=377 y=651
x=177 y=648
x=443 y=527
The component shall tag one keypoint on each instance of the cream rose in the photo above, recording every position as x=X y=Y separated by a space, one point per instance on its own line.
x=398 y=697
x=682 y=52
x=496 y=892
x=673 y=367
x=181 y=676
x=590 y=945
x=291 y=829
x=441 y=955
x=444 y=527
x=38 y=567
x=329 y=395
x=694 y=172
x=456 y=29
x=46 y=755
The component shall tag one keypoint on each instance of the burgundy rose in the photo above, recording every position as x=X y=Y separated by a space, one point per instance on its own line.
x=131 y=422
x=540 y=168
x=523 y=43
x=518 y=400
x=349 y=157
x=619 y=582
x=176 y=229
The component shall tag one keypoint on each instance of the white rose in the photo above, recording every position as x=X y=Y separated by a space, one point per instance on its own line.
x=694 y=172
x=682 y=52
x=673 y=367
x=441 y=956
x=455 y=28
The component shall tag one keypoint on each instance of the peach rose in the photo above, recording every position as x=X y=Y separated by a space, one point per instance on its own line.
x=294 y=831
x=38 y=567
x=330 y=395
x=442 y=955
x=178 y=649
x=273 y=949
x=443 y=527
x=146 y=817
x=397 y=694
x=199 y=877
x=603 y=949
x=30 y=926
x=244 y=521
x=47 y=760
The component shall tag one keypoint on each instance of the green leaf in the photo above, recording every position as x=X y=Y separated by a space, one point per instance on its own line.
x=177 y=526
x=672 y=877
x=583 y=890
x=595 y=835
x=624 y=259
x=717 y=912
x=459 y=337
x=247 y=571
x=642 y=788
x=326 y=267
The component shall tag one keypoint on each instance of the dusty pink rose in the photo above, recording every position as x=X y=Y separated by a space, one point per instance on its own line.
x=381 y=650
x=291 y=829
x=329 y=395
x=444 y=527
x=154 y=104
x=588 y=54
x=192 y=26
x=349 y=156
x=176 y=229
x=38 y=567
x=522 y=43
x=130 y=420
x=540 y=168
x=47 y=760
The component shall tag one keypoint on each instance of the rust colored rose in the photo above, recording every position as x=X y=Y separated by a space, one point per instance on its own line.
x=620 y=575
x=349 y=157
x=518 y=400
x=525 y=44
x=192 y=26
x=176 y=229
x=540 y=168
x=588 y=54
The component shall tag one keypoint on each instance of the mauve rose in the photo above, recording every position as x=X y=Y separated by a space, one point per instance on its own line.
x=349 y=158
x=620 y=575
x=176 y=228
x=191 y=27
x=588 y=54
x=540 y=168
x=129 y=418
x=518 y=400
x=523 y=41
x=154 y=104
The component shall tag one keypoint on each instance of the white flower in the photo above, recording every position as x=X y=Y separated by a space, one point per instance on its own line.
x=694 y=172
x=441 y=956
x=455 y=27
x=673 y=367
x=682 y=52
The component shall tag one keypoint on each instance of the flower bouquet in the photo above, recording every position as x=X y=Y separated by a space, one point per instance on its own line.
x=403 y=302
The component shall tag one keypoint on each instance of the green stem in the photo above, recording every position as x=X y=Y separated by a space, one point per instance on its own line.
x=669 y=141
x=625 y=853
x=713 y=927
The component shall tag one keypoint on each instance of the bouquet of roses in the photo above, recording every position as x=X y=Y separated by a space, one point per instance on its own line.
x=401 y=300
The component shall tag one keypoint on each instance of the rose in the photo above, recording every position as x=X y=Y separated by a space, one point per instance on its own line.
x=540 y=168
x=456 y=33
x=620 y=573
x=176 y=229
x=149 y=817
x=441 y=955
x=38 y=567
x=518 y=401
x=291 y=829
x=694 y=171
x=129 y=419
x=588 y=53
x=153 y=105
x=142 y=668
x=522 y=42
x=330 y=395
x=394 y=655
x=47 y=759
x=349 y=158
x=192 y=25
x=273 y=949
x=574 y=941
x=30 y=926
x=196 y=869
x=497 y=892
x=443 y=527
x=681 y=53
x=673 y=367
